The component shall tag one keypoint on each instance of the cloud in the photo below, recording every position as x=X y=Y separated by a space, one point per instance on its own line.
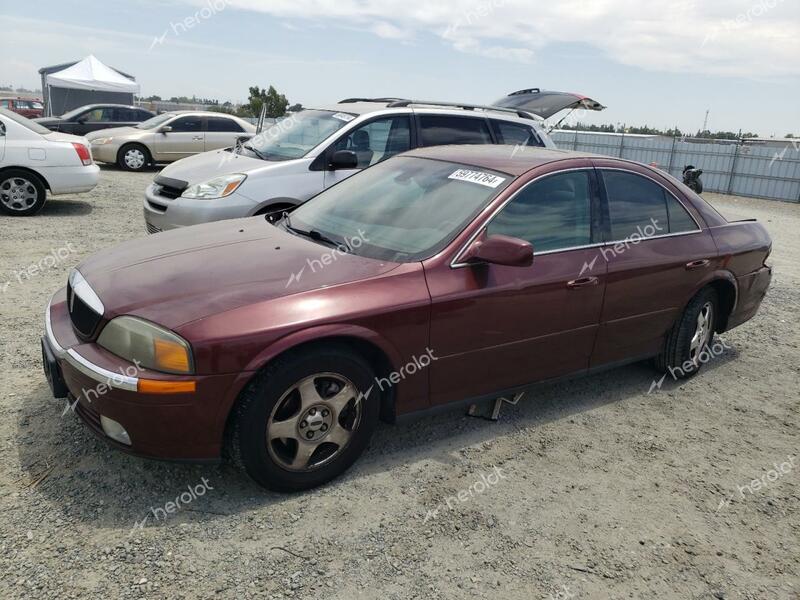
x=743 y=38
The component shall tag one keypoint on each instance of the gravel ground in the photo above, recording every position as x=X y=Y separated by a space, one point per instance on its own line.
x=587 y=489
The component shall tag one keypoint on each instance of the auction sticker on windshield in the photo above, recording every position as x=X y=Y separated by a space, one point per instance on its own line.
x=478 y=177
x=344 y=117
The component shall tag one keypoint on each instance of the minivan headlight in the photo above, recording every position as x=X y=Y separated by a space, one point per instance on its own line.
x=219 y=187
x=148 y=345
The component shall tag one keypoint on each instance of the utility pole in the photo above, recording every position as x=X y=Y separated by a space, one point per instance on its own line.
x=705 y=121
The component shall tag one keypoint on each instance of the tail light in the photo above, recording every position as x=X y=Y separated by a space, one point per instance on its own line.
x=83 y=153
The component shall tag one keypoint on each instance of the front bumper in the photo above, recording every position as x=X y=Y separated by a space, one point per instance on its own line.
x=161 y=213
x=180 y=426
x=105 y=153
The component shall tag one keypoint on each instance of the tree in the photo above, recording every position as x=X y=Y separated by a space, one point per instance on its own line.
x=276 y=103
x=298 y=107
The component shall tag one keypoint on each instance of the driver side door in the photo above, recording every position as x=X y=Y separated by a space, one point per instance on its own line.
x=372 y=143
x=496 y=327
x=186 y=137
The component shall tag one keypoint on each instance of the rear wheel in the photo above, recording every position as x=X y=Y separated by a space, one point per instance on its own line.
x=133 y=157
x=21 y=193
x=688 y=344
x=305 y=419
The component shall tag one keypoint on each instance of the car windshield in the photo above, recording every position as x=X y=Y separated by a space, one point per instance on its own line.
x=33 y=126
x=402 y=210
x=297 y=135
x=154 y=121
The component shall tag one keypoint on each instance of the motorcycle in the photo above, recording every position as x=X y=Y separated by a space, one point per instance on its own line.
x=691 y=177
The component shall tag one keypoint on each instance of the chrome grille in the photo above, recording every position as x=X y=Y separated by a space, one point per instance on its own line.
x=152 y=229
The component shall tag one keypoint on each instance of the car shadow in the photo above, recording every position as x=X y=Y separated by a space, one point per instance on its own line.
x=84 y=479
x=60 y=207
x=115 y=168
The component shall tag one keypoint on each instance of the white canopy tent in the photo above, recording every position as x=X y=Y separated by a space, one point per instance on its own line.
x=87 y=81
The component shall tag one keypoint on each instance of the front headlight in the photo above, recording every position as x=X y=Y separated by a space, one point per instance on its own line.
x=102 y=141
x=141 y=342
x=219 y=187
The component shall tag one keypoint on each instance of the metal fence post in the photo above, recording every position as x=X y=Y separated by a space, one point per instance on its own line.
x=622 y=144
x=733 y=168
x=575 y=140
x=671 y=155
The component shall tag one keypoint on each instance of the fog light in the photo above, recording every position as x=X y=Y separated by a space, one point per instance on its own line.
x=115 y=431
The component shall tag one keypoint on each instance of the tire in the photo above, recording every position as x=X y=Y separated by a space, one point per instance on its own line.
x=342 y=386
x=22 y=193
x=682 y=354
x=133 y=157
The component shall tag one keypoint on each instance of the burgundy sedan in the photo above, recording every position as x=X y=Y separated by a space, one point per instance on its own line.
x=442 y=275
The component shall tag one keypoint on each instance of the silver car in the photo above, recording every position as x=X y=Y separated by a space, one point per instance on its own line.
x=314 y=149
x=167 y=137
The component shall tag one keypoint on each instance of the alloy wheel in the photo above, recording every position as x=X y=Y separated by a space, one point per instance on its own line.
x=313 y=422
x=702 y=332
x=18 y=193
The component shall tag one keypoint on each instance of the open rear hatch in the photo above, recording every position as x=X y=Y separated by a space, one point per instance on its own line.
x=545 y=103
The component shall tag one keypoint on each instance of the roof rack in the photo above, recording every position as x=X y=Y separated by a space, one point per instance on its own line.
x=381 y=100
x=515 y=111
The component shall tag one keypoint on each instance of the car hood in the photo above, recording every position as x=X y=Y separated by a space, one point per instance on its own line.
x=102 y=133
x=206 y=165
x=546 y=103
x=180 y=276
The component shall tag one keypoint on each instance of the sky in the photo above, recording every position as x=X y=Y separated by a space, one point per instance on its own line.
x=662 y=63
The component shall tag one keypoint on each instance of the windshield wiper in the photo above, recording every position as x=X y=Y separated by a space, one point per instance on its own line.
x=313 y=234
x=254 y=151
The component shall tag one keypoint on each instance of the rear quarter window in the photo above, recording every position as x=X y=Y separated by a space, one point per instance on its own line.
x=515 y=134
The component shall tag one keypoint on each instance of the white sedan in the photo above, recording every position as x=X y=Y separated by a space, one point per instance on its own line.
x=34 y=159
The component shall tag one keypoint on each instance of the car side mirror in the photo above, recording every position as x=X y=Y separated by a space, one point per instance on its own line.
x=165 y=129
x=344 y=159
x=500 y=250
x=2 y=130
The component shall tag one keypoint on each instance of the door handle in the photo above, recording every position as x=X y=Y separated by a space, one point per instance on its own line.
x=198 y=138
x=697 y=264
x=582 y=282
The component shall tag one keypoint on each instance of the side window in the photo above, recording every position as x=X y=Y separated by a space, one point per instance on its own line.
x=377 y=140
x=515 y=134
x=679 y=219
x=126 y=115
x=635 y=203
x=5 y=103
x=142 y=115
x=99 y=115
x=187 y=124
x=438 y=130
x=553 y=213
x=223 y=124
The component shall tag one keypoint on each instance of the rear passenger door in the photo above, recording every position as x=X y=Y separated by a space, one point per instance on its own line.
x=221 y=132
x=657 y=255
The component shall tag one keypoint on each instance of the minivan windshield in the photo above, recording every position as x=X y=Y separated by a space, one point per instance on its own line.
x=154 y=121
x=297 y=135
x=404 y=209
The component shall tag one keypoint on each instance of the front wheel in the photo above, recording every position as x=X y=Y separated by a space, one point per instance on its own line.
x=687 y=346
x=133 y=157
x=21 y=193
x=305 y=419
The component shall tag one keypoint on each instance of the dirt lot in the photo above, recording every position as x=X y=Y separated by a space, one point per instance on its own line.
x=603 y=490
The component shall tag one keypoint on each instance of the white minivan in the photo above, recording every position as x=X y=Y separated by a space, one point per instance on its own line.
x=34 y=159
x=316 y=148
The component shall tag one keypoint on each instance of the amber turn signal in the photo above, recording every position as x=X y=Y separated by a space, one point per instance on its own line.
x=155 y=386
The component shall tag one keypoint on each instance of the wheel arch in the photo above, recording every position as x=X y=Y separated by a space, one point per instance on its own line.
x=727 y=290
x=36 y=174
x=265 y=206
x=380 y=355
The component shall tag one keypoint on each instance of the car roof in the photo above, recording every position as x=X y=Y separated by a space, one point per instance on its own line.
x=366 y=106
x=105 y=105
x=514 y=160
